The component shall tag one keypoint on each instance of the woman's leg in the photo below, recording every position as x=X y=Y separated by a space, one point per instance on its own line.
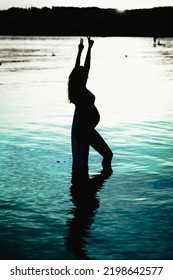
x=80 y=144
x=98 y=143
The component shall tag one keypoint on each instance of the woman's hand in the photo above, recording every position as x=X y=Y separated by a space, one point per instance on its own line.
x=81 y=45
x=90 y=42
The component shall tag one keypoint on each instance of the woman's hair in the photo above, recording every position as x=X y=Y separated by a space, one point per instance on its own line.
x=76 y=83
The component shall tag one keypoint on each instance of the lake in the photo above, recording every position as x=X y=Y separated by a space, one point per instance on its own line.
x=126 y=216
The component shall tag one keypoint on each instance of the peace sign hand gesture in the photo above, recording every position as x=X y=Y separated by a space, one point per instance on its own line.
x=90 y=42
x=81 y=45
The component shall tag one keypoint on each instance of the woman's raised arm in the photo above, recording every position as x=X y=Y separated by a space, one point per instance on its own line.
x=88 y=56
x=80 y=49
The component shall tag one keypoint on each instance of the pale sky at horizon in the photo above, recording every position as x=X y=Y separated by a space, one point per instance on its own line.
x=119 y=4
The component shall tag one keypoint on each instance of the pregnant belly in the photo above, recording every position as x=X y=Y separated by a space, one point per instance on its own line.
x=95 y=117
x=85 y=118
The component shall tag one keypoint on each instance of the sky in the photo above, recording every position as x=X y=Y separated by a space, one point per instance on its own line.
x=115 y=4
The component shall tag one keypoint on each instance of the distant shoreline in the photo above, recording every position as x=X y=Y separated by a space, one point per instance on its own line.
x=69 y=21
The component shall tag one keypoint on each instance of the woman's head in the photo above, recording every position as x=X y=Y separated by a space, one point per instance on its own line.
x=76 y=82
x=78 y=75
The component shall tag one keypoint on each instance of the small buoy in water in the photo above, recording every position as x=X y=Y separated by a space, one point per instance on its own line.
x=53 y=54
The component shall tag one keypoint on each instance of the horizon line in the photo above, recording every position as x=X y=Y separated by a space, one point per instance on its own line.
x=118 y=9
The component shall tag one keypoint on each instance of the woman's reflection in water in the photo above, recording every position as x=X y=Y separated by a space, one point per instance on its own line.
x=86 y=202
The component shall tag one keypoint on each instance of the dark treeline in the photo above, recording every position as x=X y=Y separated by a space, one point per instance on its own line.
x=61 y=21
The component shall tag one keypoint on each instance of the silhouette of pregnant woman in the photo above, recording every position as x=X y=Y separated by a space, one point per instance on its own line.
x=86 y=118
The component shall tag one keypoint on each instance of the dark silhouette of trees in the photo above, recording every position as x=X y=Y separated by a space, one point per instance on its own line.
x=63 y=21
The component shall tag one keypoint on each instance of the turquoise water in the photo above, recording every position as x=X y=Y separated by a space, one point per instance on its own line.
x=126 y=216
